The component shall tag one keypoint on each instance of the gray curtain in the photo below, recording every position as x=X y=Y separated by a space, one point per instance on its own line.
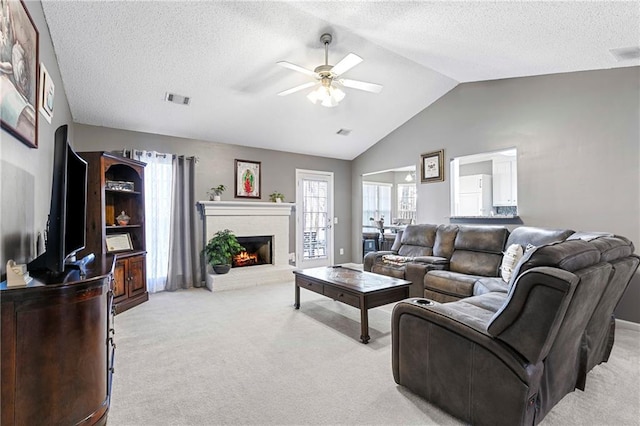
x=184 y=256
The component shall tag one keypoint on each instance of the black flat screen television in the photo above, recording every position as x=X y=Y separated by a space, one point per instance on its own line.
x=66 y=232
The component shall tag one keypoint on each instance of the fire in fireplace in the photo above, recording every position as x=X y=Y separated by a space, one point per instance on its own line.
x=258 y=251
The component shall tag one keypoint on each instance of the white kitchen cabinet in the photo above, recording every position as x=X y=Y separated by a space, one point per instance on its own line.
x=474 y=196
x=505 y=182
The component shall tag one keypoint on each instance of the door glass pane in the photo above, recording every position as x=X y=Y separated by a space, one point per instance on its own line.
x=315 y=217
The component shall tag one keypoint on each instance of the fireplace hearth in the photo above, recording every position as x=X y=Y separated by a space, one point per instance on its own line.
x=258 y=251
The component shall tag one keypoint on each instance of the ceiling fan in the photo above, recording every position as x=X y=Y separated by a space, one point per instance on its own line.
x=328 y=78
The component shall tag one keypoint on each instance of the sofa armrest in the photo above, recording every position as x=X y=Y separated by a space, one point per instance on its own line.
x=416 y=270
x=420 y=320
x=533 y=311
x=373 y=257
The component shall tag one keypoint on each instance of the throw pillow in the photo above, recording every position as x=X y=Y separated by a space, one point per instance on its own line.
x=510 y=260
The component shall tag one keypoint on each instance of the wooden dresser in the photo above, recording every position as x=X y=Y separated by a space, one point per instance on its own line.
x=57 y=348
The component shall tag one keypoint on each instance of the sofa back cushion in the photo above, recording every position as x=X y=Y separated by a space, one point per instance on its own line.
x=445 y=240
x=478 y=250
x=418 y=240
x=570 y=255
x=525 y=235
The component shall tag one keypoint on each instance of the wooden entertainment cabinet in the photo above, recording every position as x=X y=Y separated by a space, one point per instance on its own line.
x=115 y=185
x=57 y=348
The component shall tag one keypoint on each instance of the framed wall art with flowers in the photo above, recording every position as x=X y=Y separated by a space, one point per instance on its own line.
x=248 y=179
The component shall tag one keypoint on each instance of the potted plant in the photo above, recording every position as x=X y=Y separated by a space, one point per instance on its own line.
x=220 y=250
x=216 y=192
x=276 y=197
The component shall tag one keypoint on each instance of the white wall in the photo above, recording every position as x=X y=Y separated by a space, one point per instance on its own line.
x=578 y=142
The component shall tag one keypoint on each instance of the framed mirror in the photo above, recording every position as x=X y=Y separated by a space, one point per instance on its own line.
x=485 y=185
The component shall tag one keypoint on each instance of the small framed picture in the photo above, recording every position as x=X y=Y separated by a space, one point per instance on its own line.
x=119 y=242
x=248 y=179
x=47 y=92
x=432 y=167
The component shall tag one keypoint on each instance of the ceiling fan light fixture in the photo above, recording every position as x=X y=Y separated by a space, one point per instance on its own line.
x=328 y=96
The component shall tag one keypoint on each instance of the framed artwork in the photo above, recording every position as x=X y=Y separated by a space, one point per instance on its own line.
x=19 y=74
x=119 y=242
x=432 y=167
x=45 y=98
x=248 y=179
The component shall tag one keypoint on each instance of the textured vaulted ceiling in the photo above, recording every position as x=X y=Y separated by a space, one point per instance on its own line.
x=118 y=59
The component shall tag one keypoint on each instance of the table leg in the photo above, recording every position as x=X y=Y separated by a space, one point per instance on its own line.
x=364 y=325
x=297 y=301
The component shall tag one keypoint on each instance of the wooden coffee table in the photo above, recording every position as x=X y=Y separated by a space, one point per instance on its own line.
x=356 y=288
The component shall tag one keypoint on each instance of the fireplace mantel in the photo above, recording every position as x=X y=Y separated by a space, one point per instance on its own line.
x=244 y=208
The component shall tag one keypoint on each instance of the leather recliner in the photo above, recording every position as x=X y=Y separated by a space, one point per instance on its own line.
x=509 y=357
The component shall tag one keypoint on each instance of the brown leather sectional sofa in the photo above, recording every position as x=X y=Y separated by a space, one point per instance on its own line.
x=494 y=352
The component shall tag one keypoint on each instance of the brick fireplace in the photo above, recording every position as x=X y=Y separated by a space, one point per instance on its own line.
x=250 y=221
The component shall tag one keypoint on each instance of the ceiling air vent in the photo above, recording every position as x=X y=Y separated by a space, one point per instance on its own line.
x=177 y=99
x=626 y=53
x=343 y=132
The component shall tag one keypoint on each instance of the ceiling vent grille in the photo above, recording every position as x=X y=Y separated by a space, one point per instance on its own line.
x=177 y=99
x=626 y=53
x=343 y=132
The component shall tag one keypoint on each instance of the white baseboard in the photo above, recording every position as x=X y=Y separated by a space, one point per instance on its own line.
x=628 y=325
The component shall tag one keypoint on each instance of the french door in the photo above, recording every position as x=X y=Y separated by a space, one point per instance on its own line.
x=314 y=218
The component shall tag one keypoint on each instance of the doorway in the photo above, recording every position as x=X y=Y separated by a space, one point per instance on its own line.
x=314 y=218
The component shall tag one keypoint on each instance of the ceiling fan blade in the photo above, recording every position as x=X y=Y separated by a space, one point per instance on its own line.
x=348 y=62
x=297 y=88
x=298 y=68
x=367 y=87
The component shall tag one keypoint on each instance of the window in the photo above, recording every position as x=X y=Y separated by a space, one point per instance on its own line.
x=376 y=202
x=407 y=202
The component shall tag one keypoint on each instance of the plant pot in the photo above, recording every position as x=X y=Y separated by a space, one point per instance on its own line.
x=216 y=198
x=221 y=269
x=278 y=200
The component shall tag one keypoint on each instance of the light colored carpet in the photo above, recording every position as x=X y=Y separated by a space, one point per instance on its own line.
x=247 y=357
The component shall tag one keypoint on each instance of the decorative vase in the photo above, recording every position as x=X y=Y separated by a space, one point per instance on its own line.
x=123 y=219
x=216 y=198
x=221 y=269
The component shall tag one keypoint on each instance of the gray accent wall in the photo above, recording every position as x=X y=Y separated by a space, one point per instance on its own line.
x=26 y=173
x=216 y=166
x=578 y=142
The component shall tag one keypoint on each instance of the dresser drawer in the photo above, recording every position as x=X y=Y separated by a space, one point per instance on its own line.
x=342 y=296
x=309 y=285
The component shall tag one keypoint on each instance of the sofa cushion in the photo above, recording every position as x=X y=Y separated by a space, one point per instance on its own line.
x=487 y=239
x=570 y=255
x=450 y=283
x=419 y=235
x=388 y=270
x=478 y=250
x=445 y=239
x=490 y=285
x=414 y=251
x=511 y=257
x=475 y=263
x=611 y=246
x=524 y=235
